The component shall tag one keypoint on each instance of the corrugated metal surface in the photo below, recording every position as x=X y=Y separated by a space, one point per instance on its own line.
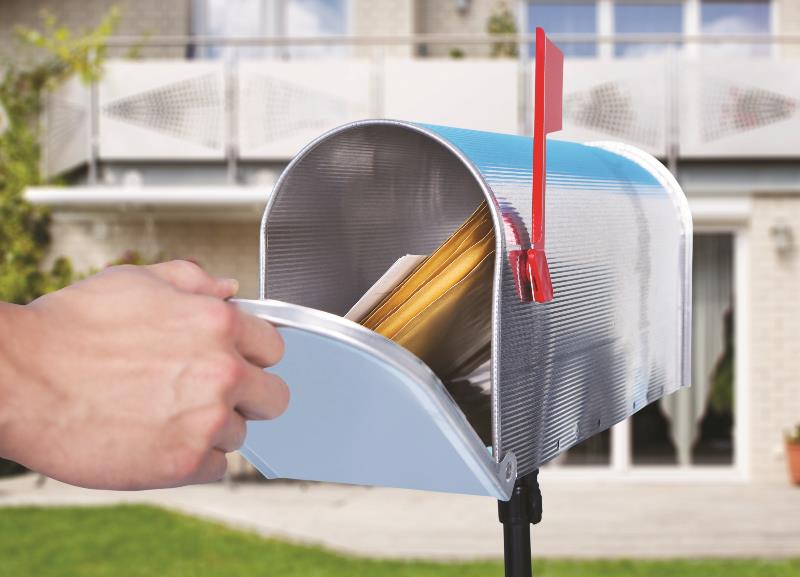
x=618 y=242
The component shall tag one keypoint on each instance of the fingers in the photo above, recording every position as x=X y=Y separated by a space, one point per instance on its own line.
x=189 y=277
x=232 y=434
x=212 y=468
x=258 y=341
x=260 y=395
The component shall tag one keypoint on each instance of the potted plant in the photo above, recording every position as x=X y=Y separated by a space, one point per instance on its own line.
x=793 y=454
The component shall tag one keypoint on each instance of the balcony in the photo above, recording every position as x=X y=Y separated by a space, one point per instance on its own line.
x=675 y=107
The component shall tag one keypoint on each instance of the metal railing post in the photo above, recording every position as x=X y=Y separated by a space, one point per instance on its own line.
x=673 y=120
x=377 y=80
x=94 y=133
x=231 y=116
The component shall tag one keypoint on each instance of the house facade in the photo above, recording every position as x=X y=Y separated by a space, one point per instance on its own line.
x=174 y=155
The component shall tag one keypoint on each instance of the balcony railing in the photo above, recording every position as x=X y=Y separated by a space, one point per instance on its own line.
x=682 y=104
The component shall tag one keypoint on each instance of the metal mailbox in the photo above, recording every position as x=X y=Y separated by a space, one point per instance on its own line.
x=614 y=337
x=587 y=318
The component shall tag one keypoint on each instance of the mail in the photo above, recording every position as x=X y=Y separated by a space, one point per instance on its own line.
x=442 y=310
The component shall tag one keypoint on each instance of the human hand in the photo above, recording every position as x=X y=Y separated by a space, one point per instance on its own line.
x=135 y=378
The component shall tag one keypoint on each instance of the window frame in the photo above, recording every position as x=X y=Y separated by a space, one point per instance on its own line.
x=274 y=22
x=524 y=15
x=692 y=22
x=612 y=24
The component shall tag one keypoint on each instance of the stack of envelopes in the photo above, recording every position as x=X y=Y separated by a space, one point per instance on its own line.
x=442 y=310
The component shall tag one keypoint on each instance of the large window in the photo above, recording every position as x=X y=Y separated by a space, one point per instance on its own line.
x=653 y=17
x=646 y=18
x=742 y=17
x=230 y=18
x=316 y=18
x=693 y=426
x=566 y=18
x=253 y=18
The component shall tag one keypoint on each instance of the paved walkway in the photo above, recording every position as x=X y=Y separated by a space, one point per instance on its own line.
x=580 y=520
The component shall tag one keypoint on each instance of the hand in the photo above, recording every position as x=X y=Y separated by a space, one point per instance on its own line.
x=138 y=377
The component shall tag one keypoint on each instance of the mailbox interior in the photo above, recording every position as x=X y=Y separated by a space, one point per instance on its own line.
x=352 y=205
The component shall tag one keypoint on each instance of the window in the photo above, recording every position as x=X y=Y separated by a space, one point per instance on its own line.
x=232 y=18
x=732 y=17
x=566 y=18
x=228 y=18
x=695 y=426
x=646 y=18
x=316 y=18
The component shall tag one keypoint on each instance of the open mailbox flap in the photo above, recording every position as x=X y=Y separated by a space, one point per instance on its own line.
x=366 y=411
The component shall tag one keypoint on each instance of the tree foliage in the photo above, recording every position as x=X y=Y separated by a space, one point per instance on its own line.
x=24 y=229
x=502 y=22
x=721 y=397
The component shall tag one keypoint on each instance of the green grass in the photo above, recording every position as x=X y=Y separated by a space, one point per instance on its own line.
x=130 y=541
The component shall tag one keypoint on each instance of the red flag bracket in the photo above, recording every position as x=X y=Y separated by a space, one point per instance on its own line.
x=530 y=267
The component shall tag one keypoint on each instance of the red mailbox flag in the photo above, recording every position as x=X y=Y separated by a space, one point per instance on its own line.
x=530 y=267
x=547 y=109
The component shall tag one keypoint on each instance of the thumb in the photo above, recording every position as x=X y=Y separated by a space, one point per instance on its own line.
x=189 y=277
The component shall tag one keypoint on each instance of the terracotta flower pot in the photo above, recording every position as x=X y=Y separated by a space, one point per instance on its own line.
x=793 y=460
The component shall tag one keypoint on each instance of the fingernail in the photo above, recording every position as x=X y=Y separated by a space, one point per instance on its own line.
x=232 y=284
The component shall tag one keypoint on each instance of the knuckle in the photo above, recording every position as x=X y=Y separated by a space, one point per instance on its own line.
x=211 y=422
x=281 y=396
x=280 y=346
x=219 y=466
x=123 y=268
x=220 y=373
x=241 y=430
x=186 y=462
x=215 y=420
x=186 y=268
x=120 y=275
x=221 y=319
x=238 y=433
x=228 y=371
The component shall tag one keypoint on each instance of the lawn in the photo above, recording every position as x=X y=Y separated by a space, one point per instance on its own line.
x=129 y=541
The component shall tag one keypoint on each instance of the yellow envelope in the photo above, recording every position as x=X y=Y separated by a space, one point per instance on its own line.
x=442 y=312
x=473 y=229
x=454 y=326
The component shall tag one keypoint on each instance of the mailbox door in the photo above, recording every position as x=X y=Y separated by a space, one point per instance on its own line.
x=364 y=410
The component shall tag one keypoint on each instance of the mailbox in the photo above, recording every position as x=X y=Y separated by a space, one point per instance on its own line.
x=588 y=313
x=589 y=306
x=614 y=336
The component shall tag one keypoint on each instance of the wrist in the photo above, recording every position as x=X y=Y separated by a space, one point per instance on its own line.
x=14 y=341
